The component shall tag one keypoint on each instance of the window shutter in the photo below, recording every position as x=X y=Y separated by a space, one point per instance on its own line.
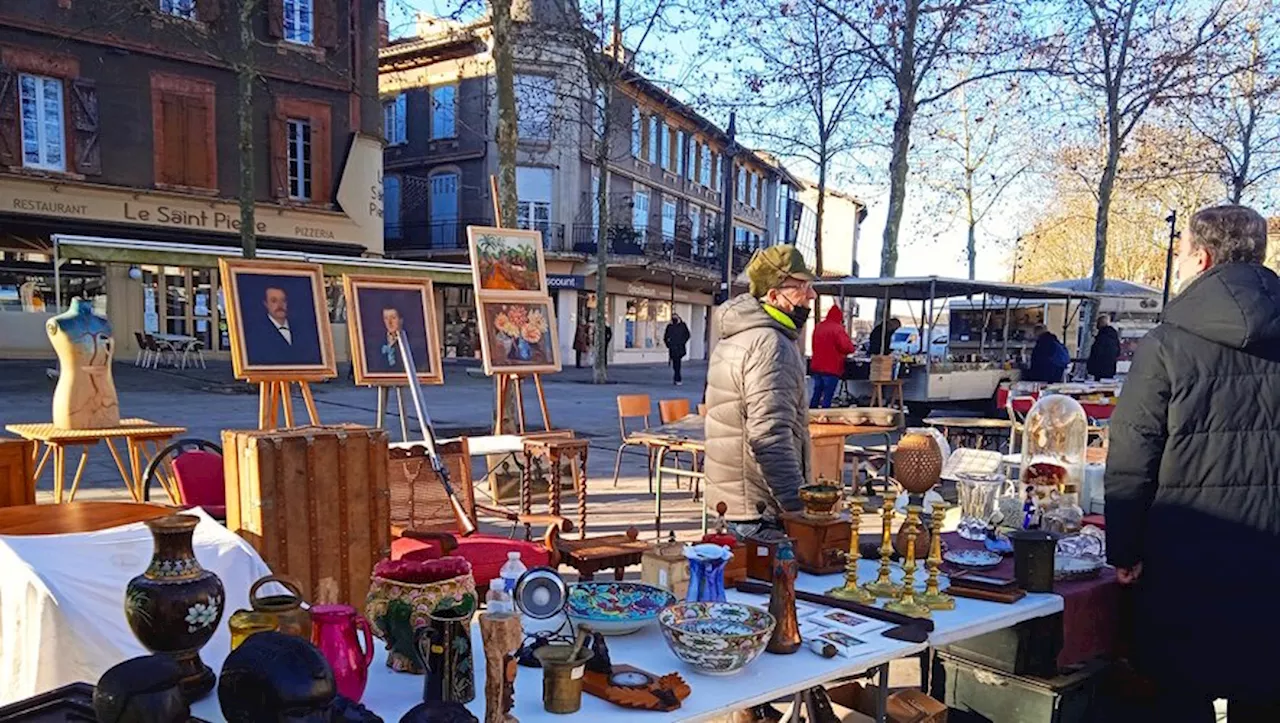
x=279 y=157
x=208 y=11
x=9 y=137
x=173 y=168
x=326 y=23
x=84 y=119
x=275 y=19
x=199 y=135
x=321 y=159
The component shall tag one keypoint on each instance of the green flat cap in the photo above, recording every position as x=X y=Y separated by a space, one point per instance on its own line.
x=771 y=266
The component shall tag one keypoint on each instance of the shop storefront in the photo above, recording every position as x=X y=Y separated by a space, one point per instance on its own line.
x=640 y=313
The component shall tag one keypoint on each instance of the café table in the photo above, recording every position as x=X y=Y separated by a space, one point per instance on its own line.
x=143 y=441
x=977 y=428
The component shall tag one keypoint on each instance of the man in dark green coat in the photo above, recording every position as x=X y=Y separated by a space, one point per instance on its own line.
x=1193 y=479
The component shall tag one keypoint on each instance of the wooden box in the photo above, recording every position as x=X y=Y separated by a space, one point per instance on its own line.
x=760 y=558
x=881 y=368
x=821 y=545
x=976 y=693
x=16 y=485
x=665 y=566
x=313 y=501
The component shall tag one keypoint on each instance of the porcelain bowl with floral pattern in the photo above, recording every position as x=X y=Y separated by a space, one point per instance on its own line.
x=616 y=608
x=716 y=638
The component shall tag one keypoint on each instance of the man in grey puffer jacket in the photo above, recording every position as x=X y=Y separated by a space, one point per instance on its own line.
x=757 y=425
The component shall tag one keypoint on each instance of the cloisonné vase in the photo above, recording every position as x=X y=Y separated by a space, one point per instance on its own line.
x=175 y=606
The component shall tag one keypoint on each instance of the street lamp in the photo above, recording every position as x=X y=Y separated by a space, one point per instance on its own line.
x=726 y=188
x=1172 y=220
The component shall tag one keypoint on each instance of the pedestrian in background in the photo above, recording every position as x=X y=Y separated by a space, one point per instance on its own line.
x=676 y=338
x=1193 y=479
x=581 y=343
x=881 y=340
x=1049 y=358
x=1105 y=350
x=831 y=344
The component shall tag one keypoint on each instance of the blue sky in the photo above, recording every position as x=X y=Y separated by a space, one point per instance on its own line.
x=691 y=70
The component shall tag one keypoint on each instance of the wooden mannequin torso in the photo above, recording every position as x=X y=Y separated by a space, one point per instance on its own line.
x=85 y=397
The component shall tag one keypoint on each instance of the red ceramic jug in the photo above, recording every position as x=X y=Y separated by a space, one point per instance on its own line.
x=333 y=631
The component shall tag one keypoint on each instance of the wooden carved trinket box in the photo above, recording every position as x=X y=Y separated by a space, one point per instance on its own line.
x=821 y=546
x=628 y=686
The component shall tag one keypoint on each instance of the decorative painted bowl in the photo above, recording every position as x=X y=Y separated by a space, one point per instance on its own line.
x=616 y=608
x=716 y=638
x=972 y=558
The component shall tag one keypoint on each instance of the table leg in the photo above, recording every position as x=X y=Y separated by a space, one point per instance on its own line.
x=526 y=492
x=135 y=466
x=553 y=481
x=926 y=669
x=75 y=481
x=882 y=695
x=35 y=478
x=59 y=471
x=124 y=475
x=580 y=481
x=657 y=495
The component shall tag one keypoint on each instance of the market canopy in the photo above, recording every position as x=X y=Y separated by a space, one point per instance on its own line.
x=923 y=288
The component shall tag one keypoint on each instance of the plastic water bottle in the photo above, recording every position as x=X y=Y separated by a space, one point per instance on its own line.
x=511 y=571
x=498 y=601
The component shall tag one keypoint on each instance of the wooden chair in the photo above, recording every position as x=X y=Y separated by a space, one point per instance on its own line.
x=632 y=406
x=194 y=469
x=423 y=524
x=673 y=410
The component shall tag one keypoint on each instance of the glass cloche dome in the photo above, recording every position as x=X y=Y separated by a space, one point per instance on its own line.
x=1055 y=437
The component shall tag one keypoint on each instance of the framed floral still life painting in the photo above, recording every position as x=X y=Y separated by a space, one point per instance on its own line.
x=505 y=260
x=378 y=309
x=518 y=335
x=278 y=320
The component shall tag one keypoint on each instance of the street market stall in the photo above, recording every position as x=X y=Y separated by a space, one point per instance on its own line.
x=965 y=374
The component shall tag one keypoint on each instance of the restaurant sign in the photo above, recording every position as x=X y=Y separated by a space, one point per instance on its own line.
x=90 y=202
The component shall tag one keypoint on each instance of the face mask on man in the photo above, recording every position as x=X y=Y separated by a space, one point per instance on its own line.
x=799 y=314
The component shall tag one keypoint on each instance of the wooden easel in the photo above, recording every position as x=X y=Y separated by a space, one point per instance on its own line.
x=274 y=395
x=518 y=381
x=383 y=394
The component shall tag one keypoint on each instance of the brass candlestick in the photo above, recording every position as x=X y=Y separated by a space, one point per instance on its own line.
x=907 y=604
x=883 y=586
x=850 y=590
x=932 y=597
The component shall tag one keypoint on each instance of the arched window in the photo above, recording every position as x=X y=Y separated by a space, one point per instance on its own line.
x=443 y=207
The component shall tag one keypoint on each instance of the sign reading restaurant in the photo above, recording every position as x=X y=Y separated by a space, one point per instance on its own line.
x=360 y=189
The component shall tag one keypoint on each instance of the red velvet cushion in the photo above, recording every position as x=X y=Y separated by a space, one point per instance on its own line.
x=486 y=553
x=200 y=482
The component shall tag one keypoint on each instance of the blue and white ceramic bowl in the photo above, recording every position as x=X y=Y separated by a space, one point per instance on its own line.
x=616 y=608
x=716 y=638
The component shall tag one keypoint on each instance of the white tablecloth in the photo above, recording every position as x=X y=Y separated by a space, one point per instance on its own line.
x=391 y=694
x=62 y=601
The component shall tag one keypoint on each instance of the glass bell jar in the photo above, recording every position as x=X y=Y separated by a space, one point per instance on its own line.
x=1055 y=437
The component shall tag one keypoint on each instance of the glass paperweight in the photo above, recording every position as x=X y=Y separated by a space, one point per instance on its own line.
x=1053 y=462
x=978 y=494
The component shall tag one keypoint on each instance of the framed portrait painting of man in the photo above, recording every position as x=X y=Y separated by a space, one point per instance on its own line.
x=278 y=320
x=506 y=260
x=518 y=335
x=379 y=308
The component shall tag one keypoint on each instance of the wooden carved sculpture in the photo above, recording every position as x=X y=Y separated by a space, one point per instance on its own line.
x=501 y=636
x=85 y=397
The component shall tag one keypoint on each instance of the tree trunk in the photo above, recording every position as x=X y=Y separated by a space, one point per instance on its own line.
x=244 y=120
x=505 y=76
x=600 y=342
x=820 y=212
x=1105 y=189
x=897 y=187
x=972 y=224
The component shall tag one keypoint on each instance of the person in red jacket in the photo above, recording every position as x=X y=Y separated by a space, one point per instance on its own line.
x=831 y=344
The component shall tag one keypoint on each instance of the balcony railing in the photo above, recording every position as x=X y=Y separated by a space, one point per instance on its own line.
x=649 y=243
x=452 y=235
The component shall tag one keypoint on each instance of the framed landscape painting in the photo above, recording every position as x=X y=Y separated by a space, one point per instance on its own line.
x=508 y=261
x=278 y=320
x=378 y=309
x=518 y=336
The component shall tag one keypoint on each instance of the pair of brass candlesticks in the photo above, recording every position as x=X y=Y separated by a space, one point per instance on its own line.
x=902 y=597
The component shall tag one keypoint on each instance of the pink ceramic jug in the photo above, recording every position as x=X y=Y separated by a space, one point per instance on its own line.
x=333 y=631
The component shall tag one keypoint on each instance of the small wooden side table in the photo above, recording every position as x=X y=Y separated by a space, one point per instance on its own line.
x=136 y=433
x=601 y=553
x=893 y=399
x=554 y=450
x=77 y=517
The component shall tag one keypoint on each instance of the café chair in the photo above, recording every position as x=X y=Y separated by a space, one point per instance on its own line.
x=193 y=469
x=632 y=406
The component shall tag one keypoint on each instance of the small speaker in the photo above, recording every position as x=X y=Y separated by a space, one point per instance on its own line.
x=541 y=593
